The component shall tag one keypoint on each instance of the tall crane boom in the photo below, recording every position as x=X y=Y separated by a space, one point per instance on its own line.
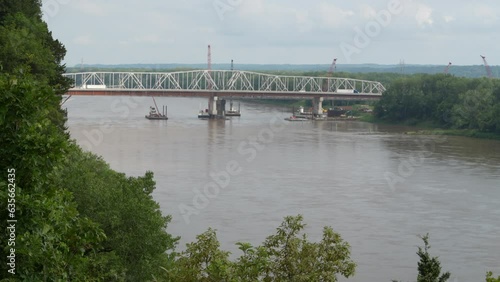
x=447 y=69
x=209 y=65
x=488 y=69
x=333 y=66
x=209 y=59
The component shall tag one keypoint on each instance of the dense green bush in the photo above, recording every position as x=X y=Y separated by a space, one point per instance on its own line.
x=285 y=256
x=124 y=209
x=77 y=220
x=443 y=100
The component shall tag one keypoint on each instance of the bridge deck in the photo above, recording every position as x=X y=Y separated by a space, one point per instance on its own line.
x=204 y=83
x=231 y=94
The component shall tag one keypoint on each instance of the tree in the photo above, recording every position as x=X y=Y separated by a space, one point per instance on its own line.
x=474 y=111
x=65 y=230
x=53 y=240
x=293 y=258
x=491 y=278
x=285 y=256
x=443 y=101
x=202 y=261
x=125 y=210
x=429 y=268
x=29 y=8
x=31 y=142
x=28 y=45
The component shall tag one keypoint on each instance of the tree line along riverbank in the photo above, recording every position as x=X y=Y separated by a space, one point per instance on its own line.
x=434 y=104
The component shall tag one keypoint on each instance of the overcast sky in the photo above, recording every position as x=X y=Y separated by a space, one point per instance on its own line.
x=276 y=31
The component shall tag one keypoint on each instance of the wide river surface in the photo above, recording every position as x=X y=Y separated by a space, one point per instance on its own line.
x=379 y=188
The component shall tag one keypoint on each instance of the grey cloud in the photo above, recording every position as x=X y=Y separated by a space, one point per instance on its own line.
x=280 y=31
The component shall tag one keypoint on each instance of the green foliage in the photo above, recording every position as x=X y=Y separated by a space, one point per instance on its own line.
x=474 y=111
x=27 y=45
x=429 y=268
x=491 y=278
x=202 y=261
x=123 y=207
x=253 y=263
x=54 y=242
x=29 y=8
x=31 y=142
x=77 y=219
x=285 y=256
x=444 y=101
x=293 y=258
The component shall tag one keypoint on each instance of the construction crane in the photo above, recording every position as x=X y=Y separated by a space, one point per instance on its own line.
x=447 y=69
x=402 y=66
x=488 y=69
x=209 y=66
x=209 y=59
x=333 y=66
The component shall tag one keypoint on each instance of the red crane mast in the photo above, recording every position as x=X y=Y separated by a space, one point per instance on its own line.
x=447 y=69
x=488 y=68
x=209 y=66
x=333 y=66
x=209 y=59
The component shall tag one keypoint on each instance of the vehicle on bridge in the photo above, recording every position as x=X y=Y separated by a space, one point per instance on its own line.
x=346 y=91
x=94 y=86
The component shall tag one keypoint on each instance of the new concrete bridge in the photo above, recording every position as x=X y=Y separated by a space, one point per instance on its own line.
x=215 y=84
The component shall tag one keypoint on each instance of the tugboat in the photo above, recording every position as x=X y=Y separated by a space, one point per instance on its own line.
x=203 y=114
x=302 y=114
x=154 y=113
x=295 y=117
x=232 y=112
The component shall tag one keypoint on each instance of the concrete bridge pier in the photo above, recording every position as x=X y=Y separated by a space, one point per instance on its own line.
x=216 y=107
x=317 y=106
x=221 y=108
x=212 y=105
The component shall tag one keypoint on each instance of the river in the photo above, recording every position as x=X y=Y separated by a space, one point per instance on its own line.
x=379 y=188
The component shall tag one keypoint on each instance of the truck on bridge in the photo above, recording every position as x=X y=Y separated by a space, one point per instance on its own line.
x=346 y=91
x=94 y=86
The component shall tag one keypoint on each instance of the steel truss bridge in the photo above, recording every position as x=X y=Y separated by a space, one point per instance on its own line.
x=222 y=83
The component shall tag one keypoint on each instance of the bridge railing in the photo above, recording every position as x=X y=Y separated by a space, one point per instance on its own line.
x=221 y=80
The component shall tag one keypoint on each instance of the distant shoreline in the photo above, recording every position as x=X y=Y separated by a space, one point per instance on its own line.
x=426 y=129
x=471 y=71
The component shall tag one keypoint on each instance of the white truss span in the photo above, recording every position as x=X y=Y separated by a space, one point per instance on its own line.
x=223 y=81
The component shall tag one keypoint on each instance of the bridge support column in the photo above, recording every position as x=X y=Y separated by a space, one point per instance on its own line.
x=212 y=105
x=221 y=108
x=317 y=106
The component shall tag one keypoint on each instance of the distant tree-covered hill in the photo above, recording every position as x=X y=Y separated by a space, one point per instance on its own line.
x=461 y=71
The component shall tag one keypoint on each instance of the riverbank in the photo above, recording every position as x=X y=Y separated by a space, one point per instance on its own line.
x=457 y=132
x=425 y=128
x=420 y=128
